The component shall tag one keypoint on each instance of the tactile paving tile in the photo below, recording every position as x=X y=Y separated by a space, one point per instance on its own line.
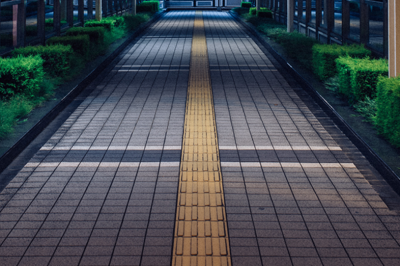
x=200 y=231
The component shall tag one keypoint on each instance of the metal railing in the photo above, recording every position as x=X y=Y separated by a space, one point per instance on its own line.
x=339 y=21
x=23 y=22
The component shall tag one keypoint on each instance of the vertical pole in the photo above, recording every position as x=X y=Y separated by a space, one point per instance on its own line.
x=394 y=38
x=258 y=4
x=364 y=22
x=300 y=11
x=308 y=11
x=110 y=7
x=134 y=7
x=290 y=15
x=329 y=11
x=63 y=9
x=90 y=9
x=98 y=9
x=70 y=12
x=41 y=16
x=81 y=12
x=104 y=7
x=345 y=20
x=57 y=17
x=385 y=29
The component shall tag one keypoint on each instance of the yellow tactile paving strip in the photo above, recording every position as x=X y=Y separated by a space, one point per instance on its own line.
x=201 y=235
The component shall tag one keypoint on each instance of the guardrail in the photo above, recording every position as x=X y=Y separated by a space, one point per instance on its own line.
x=61 y=10
x=338 y=21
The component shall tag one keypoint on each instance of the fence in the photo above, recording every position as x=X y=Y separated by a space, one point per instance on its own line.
x=339 y=21
x=25 y=22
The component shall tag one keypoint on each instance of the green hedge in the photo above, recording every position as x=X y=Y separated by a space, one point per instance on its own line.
x=148 y=6
x=132 y=22
x=262 y=13
x=21 y=75
x=56 y=57
x=388 y=109
x=107 y=24
x=80 y=43
x=324 y=55
x=245 y=4
x=358 y=77
x=96 y=34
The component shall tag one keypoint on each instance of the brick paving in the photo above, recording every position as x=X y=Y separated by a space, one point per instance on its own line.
x=102 y=190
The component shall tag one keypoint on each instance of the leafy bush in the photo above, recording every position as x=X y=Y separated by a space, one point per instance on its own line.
x=245 y=4
x=79 y=43
x=21 y=75
x=388 y=109
x=324 y=55
x=148 y=6
x=107 y=24
x=262 y=13
x=117 y=21
x=11 y=110
x=96 y=34
x=132 y=22
x=241 y=10
x=358 y=77
x=56 y=57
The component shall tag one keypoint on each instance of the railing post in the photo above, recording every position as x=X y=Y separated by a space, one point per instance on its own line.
x=308 y=12
x=41 y=17
x=70 y=12
x=345 y=20
x=394 y=38
x=329 y=11
x=81 y=14
x=385 y=29
x=290 y=15
x=134 y=7
x=110 y=7
x=90 y=9
x=57 y=17
x=258 y=4
x=364 y=22
x=98 y=9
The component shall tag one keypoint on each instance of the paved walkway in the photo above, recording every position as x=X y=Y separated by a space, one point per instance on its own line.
x=103 y=190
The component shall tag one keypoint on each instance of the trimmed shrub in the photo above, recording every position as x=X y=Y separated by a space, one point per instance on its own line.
x=148 y=6
x=358 y=77
x=245 y=4
x=264 y=13
x=80 y=43
x=21 y=75
x=107 y=24
x=56 y=57
x=96 y=34
x=388 y=109
x=132 y=22
x=324 y=55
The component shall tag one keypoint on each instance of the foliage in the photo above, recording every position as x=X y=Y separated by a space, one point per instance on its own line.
x=388 y=109
x=57 y=58
x=358 y=77
x=262 y=13
x=96 y=34
x=324 y=55
x=148 y=6
x=132 y=22
x=245 y=4
x=106 y=24
x=10 y=111
x=367 y=108
x=21 y=75
x=240 y=10
x=79 y=43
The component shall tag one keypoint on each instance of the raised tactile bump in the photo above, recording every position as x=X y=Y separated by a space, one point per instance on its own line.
x=201 y=230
